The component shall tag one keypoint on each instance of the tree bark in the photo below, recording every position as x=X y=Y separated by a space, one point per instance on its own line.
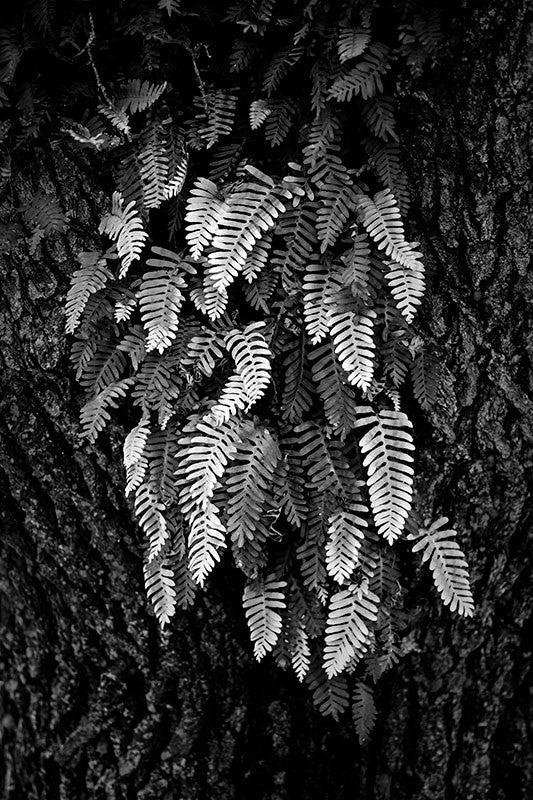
x=95 y=703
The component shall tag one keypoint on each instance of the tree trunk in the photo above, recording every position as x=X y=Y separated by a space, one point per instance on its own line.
x=95 y=703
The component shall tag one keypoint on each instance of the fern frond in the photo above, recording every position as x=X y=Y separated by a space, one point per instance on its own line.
x=279 y=122
x=160 y=452
x=117 y=117
x=160 y=300
x=125 y=227
x=347 y=632
x=378 y=113
x=386 y=161
x=300 y=651
x=337 y=203
x=257 y=258
x=139 y=95
x=364 y=78
x=178 y=162
x=159 y=585
x=447 y=563
x=202 y=459
x=297 y=396
x=206 y=540
x=353 y=340
x=205 y=208
x=261 y=600
x=311 y=444
x=396 y=357
x=336 y=394
x=104 y=366
x=358 y=266
x=426 y=375
x=322 y=282
x=220 y=109
x=293 y=499
x=95 y=415
x=386 y=448
x=90 y=278
x=311 y=551
x=279 y=66
x=154 y=167
x=150 y=513
x=363 y=711
x=208 y=299
x=252 y=358
x=250 y=212
x=248 y=483
x=407 y=285
x=259 y=111
x=352 y=42
x=382 y=219
x=345 y=534
x=158 y=385
x=330 y=695
x=135 y=460
x=184 y=585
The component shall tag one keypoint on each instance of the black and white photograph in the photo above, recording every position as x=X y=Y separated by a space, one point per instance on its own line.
x=266 y=400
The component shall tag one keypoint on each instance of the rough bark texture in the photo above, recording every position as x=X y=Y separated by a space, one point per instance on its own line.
x=95 y=704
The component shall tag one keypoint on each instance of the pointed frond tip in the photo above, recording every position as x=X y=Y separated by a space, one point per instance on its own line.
x=447 y=564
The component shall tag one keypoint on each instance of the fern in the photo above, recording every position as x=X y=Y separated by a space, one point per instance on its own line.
x=337 y=203
x=297 y=396
x=386 y=447
x=150 y=513
x=251 y=354
x=206 y=540
x=447 y=563
x=352 y=42
x=363 y=79
x=252 y=346
x=95 y=415
x=154 y=168
x=322 y=282
x=249 y=213
x=249 y=478
x=160 y=587
x=125 y=227
x=259 y=112
x=347 y=631
x=354 y=344
x=160 y=300
x=345 y=534
x=90 y=278
x=135 y=460
x=203 y=459
x=336 y=394
x=139 y=95
x=261 y=601
x=426 y=373
x=219 y=108
x=378 y=113
x=364 y=711
x=330 y=695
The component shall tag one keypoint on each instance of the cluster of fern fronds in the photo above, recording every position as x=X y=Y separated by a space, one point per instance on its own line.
x=253 y=300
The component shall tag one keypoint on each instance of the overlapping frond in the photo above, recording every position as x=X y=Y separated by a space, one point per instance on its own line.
x=125 y=227
x=387 y=448
x=252 y=346
x=262 y=601
x=447 y=564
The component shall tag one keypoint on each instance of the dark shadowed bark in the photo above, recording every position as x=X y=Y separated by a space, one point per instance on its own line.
x=95 y=703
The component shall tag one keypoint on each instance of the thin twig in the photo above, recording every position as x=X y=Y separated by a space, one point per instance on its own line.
x=88 y=47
